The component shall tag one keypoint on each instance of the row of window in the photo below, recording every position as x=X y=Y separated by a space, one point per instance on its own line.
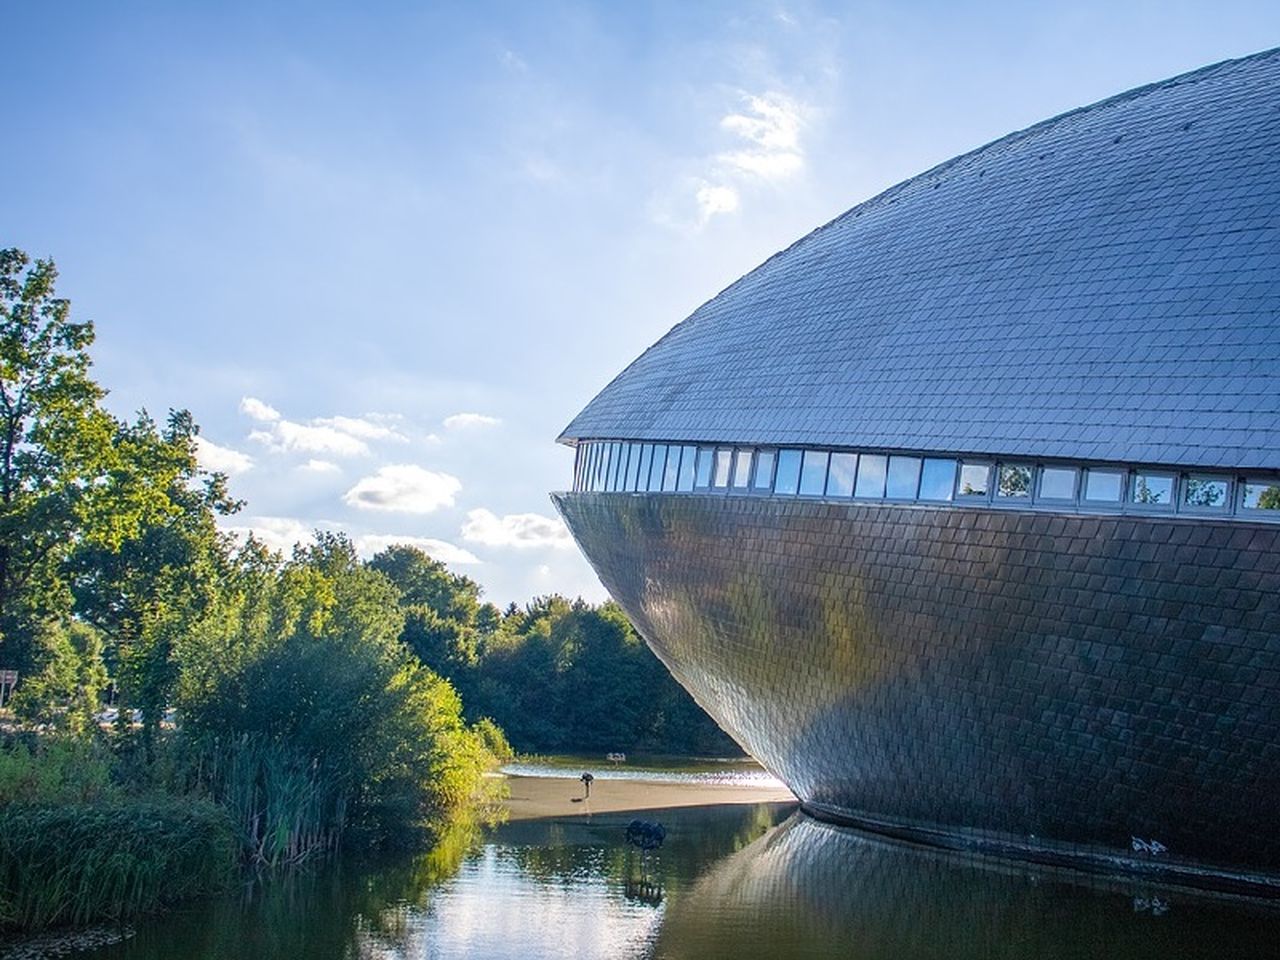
x=620 y=466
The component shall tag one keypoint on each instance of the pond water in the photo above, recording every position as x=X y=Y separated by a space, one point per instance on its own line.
x=745 y=881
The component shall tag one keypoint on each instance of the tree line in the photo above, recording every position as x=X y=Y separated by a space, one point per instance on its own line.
x=268 y=708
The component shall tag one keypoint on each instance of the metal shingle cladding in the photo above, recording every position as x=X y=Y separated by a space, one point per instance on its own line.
x=1104 y=285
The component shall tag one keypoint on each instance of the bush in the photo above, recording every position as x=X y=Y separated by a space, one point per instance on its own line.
x=314 y=720
x=78 y=864
x=54 y=771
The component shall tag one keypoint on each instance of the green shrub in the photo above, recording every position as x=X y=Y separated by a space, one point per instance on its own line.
x=494 y=740
x=52 y=771
x=78 y=864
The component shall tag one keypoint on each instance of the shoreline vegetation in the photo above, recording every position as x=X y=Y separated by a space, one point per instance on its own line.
x=191 y=707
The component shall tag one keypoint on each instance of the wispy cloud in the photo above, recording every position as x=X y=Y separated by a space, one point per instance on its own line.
x=403 y=488
x=770 y=124
x=466 y=421
x=219 y=459
x=320 y=466
x=336 y=436
x=372 y=427
x=515 y=530
x=764 y=145
x=370 y=543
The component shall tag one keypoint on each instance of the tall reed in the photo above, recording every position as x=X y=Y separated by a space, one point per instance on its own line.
x=77 y=864
x=286 y=807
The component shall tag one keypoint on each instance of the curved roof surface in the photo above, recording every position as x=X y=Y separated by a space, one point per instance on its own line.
x=1104 y=285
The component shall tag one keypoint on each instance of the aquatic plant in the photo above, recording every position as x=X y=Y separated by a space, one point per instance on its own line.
x=76 y=864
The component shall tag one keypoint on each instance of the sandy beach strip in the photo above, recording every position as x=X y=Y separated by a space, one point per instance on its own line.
x=534 y=798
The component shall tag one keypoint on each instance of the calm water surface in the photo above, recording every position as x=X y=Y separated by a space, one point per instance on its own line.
x=731 y=881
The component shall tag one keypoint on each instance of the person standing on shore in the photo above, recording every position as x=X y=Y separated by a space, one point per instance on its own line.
x=586 y=779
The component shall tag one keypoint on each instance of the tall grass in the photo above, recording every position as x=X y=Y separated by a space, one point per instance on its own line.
x=77 y=864
x=285 y=808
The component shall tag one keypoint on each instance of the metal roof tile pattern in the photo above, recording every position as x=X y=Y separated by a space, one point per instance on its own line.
x=1104 y=285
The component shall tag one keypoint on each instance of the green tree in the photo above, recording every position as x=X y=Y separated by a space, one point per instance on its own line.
x=315 y=718
x=157 y=583
x=55 y=453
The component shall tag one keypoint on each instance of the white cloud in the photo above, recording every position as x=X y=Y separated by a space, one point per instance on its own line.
x=337 y=436
x=370 y=543
x=463 y=421
x=366 y=428
x=278 y=533
x=221 y=459
x=255 y=408
x=405 y=488
x=772 y=122
x=515 y=530
x=320 y=466
x=713 y=200
x=767 y=147
x=286 y=436
x=767 y=166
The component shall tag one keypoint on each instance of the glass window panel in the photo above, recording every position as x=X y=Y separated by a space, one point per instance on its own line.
x=763 y=479
x=1015 y=480
x=1205 y=492
x=703 y=477
x=741 y=468
x=687 y=457
x=1103 y=485
x=615 y=465
x=787 y=480
x=724 y=462
x=975 y=479
x=620 y=479
x=872 y=468
x=592 y=450
x=673 y=469
x=656 y=466
x=813 y=473
x=904 y=478
x=1262 y=495
x=937 y=479
x=633 y=467
x=1059 y=483
x=844 y=466
x=579 y=456
x=646 y=456
x=1152 y=489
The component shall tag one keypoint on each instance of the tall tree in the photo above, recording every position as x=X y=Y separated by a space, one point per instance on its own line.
x=55 y=450
x=157 y=583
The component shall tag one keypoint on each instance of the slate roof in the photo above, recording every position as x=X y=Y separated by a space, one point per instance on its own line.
x=1104 y=285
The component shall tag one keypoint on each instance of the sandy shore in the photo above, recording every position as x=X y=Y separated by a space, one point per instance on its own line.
x=534 y=798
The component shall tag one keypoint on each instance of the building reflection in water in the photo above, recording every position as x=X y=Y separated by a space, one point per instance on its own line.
x=807 y=889
x=730 y=881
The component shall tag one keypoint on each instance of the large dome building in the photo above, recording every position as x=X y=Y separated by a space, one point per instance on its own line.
x=962 y=513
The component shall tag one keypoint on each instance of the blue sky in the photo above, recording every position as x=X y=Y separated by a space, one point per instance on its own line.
x=385 y=251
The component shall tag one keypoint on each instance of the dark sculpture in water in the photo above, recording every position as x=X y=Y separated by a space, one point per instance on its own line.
x=645 y=834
